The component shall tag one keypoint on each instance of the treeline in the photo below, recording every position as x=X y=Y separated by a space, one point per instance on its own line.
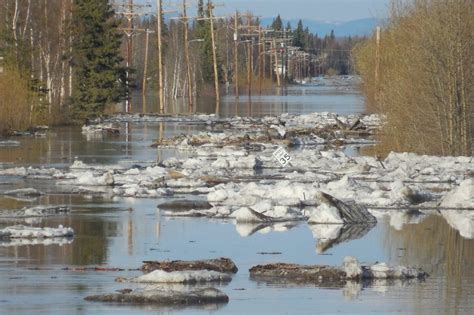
x=328 y=55
x=34 y=44
x=331 y=54
x=419 y=74
x=64 y=60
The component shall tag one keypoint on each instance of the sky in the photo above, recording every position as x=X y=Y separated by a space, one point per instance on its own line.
x=319 y=10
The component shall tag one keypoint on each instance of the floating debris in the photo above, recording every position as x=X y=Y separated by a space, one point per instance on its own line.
x=219 y=265
x=327 y=275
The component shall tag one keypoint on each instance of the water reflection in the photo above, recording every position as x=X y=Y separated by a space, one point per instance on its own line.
x=330 y=235
x=444 y=253
x=248 y=229
x=321 y=97
x=89 y=246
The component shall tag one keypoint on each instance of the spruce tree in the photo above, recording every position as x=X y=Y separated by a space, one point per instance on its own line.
x=99 y=78
x=298 y=35
x=203 y=31
x=277 y=24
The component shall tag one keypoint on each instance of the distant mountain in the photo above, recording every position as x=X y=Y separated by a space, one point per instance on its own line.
x=351 y=28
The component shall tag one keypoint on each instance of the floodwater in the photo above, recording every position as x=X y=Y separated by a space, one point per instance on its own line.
x=122 y=232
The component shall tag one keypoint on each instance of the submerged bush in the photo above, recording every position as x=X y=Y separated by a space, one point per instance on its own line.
x=420 y=76
x=15 y=100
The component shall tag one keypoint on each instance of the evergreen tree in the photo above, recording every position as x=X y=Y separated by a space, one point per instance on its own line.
x=99 y=79
x=298 y=35
x=203 y=31
x=277 y=24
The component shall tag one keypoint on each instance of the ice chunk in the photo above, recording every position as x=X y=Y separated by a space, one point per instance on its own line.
x=190 y=276
x=247 y=215
x=326 y=214
x=460 y=197
x=351 y=267
x=21 y=231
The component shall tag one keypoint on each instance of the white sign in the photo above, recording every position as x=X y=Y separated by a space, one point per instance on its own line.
x=282 y=156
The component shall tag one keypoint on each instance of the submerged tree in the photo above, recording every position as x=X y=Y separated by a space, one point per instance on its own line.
x=99 y=79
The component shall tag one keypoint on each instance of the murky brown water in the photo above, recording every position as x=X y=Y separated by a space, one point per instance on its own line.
x=122 y=232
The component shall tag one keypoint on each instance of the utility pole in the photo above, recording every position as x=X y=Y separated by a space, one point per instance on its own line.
x=249 y=58
x=161 y=95
x=271 y=61
x=145 y=69
x=188 y=62
x=160 y=57
x=130 y=11
x=260 y=59
x=236 y=54
x=214 y=55
x=278 y=73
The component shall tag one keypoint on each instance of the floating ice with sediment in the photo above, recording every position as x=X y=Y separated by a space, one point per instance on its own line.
x=232 y=167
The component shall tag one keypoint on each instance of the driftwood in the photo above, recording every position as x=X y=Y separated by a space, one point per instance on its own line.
x=220 y=265
x=164 y=297
x=185 y=205
x=298 y=274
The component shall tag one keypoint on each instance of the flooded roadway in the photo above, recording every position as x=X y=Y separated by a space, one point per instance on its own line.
x=122 y=232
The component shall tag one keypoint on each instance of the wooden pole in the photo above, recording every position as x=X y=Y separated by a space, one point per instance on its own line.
x=145 y=69
x=236 y=54
x=276 y=63
x=271 y=62
x=249 y=60
x=128 y=102
x=188 y=62
x=160 y=58
x=214 y=56
x=260 y=60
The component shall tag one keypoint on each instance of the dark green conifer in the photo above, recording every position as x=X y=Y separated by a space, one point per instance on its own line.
x=99 y=78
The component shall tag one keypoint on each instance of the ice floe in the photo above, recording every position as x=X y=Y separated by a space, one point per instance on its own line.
x=187 y=276
x=37 y=211
x=21 y=231
x=100 y=128
x=60 y=241
x=161 y=296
